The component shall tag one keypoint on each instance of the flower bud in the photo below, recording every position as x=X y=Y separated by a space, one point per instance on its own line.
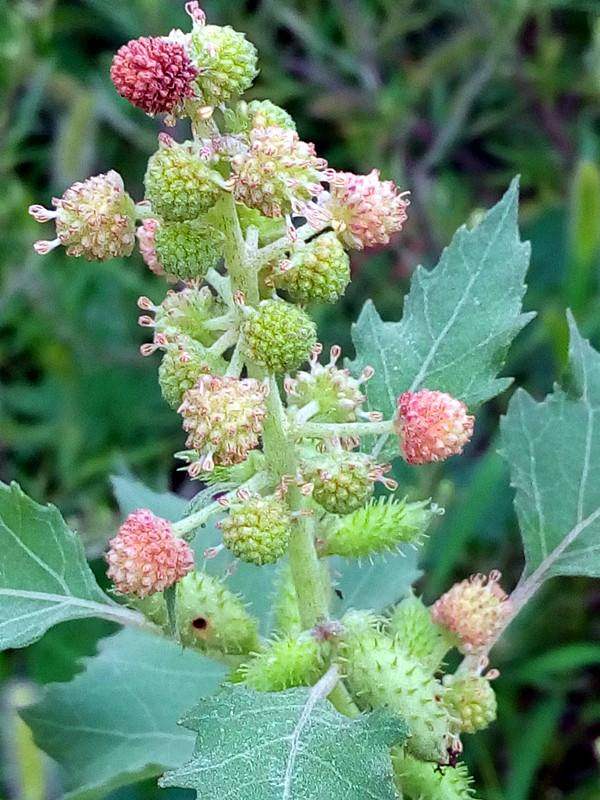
x=257 y=114
x=257 y=529
x=145 y=557
x=471 y=700
x=185 y=313
x=432 y=426
x=279 y=173
x=179 y=185
x=94 y=219
x=365 y=210
x=146 y=234
x=342 y=482
x=183 y=362
x=188 y=250
x=278 y=336
x=223 y=417
x=412 y=625
x=418 y=779
x=474 y=610
x=337 y=394
x=225 y=60
x=154 y=74
x=318 y=271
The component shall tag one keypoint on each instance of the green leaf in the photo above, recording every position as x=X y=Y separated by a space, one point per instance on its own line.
x=44 y=577
x=375 y=584
x=553 y=450
x=459 y=318
x=132 y=494
x=287 y=746
x=116 y=722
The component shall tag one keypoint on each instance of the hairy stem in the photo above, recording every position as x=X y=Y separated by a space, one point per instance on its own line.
x=325 y=430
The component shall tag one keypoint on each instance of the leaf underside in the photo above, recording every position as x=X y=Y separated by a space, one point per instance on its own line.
x=44 y=576
x=116 y=722
x=553 y=450
x=459 y=318
x=284 y=746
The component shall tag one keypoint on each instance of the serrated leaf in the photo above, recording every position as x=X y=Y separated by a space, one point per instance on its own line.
x=287 y=746
x=553 y=450
x=459 y=318
x=116 y=722
x=44 y=577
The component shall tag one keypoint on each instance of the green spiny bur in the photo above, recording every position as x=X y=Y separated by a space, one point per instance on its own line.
x=411 y=623
x=287 y=613
x=421 y=780
x=382 y=525
x=288 y=662
x=380 y=673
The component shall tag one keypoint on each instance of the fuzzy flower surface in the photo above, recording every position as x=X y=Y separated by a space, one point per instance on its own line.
x=432 y=426
x=154 y=73
x=94 y=218
x=145 y=557
x=365 y=211
x=474 y=610
x=223 y=417
x=279 y=173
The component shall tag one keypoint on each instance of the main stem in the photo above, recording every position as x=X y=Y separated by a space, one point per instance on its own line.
x=313 y=603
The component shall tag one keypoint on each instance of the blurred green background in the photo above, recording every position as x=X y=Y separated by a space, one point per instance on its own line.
x=449 y=98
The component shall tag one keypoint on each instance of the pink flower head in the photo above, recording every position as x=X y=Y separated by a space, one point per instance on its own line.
x=475 y=610
x=145 y=557
x=153 y=73
x=146 y=235
x=432 y=426
x=365 y=210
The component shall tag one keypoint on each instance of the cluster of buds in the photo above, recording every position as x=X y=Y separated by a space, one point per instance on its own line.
x=257 y=529
x=475 y=610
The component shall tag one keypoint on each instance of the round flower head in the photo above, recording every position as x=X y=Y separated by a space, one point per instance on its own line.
x=146 y=234
x=279 y=336
x=336 y=393
x=179 y=185
x=474 y=610
x=257 y=529
x=154 y=74
x=184 y=313
x=189 y=249
x=183 y=362
x=278 y=174
x=365 y=210
x=145 y=557
x=225 y=60
x=94 y=219
x=343 y=482
x=432 y=426
x=223 y=417
x=471 y=700
x=257 y=114
x=319 y=270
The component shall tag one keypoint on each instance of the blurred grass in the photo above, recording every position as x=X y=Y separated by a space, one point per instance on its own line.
x=450 y=98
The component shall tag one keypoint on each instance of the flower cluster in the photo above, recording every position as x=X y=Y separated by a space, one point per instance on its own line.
x=251 y=226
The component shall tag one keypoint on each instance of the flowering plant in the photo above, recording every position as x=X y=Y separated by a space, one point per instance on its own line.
x=334 y=681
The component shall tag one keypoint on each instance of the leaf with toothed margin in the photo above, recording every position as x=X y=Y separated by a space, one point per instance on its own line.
x=459 y=318
x=116 y=722
x=289 y=745
x=553 y=451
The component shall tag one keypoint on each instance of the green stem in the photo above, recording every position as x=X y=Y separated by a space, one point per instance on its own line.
x=325 y=430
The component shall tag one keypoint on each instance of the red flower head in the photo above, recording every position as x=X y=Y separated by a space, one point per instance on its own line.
x=145 y=557
x=153 y=73
x=432 y=426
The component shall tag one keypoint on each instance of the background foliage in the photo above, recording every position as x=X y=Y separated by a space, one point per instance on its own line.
x=450 y=98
